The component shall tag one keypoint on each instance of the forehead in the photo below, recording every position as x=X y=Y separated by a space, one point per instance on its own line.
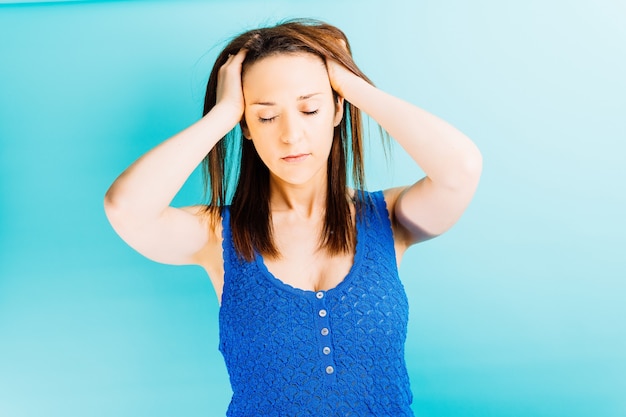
x=285 y=74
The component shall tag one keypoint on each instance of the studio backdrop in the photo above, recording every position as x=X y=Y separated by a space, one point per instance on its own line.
x=517 y=311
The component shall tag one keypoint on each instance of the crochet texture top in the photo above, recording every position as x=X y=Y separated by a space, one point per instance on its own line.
x=292 y=352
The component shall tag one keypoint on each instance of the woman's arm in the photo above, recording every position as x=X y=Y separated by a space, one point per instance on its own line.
x=138 y=203
x=451 y=161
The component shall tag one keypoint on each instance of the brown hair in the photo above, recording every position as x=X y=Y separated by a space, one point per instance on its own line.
x=234 y=158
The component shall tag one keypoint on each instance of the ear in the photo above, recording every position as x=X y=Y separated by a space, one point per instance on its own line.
x=244 y=129
x=338 y=111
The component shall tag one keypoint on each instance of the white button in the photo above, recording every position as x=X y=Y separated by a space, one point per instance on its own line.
x=319 y=295
x=324 y=331
x=326 y=350
x=330 y=370
x=322 y=313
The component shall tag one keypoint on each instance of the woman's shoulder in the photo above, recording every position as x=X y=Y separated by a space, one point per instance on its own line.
x=392 y=195
x=211 y=218
x=401 y=236
x=389 y=196
x=206 y=212
x=210 y=255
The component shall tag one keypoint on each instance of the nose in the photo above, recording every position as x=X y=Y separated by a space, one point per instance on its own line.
x=291 y=129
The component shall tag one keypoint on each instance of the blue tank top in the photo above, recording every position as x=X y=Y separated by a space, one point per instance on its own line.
x=292 y=352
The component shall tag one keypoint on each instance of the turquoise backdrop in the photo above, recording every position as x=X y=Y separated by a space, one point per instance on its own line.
x=519 y=310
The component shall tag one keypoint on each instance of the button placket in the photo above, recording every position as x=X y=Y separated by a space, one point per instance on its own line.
x=324 y=337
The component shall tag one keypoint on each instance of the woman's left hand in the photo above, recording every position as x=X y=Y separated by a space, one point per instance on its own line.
x=341 y=78
x=451 y=161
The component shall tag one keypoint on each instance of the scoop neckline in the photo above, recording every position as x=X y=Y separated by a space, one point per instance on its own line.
x=356 y=263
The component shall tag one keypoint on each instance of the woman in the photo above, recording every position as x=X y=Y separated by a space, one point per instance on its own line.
x=313 y=315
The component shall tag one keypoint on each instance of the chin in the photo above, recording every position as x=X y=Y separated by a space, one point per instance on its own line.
x=300 y=179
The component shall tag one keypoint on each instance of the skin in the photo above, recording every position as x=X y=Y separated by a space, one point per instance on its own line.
x=290 y=116
x=277 y=98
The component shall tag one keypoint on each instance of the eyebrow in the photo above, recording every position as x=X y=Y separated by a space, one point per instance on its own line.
x=270 y=103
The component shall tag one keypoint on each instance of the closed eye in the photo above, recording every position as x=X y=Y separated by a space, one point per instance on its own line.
x=271 y=119
x=267 y=120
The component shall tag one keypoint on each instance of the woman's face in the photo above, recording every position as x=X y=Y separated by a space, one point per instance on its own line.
x=290 y=116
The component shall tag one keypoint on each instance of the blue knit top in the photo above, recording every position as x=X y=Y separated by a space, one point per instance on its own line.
x=292 y=352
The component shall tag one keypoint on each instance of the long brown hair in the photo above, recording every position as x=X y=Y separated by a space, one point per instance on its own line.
x=234 y=159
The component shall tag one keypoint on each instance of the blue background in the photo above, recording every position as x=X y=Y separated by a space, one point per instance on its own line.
x=517 y=311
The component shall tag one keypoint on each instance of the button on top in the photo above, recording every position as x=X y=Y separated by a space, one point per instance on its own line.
x=324 y=331
x=322 y=313
x=319 y=295
x=330 y=370
x=326 y=350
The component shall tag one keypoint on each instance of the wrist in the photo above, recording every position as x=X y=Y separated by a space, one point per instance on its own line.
x=217 y=123
x=225 y=115
x=355 y=90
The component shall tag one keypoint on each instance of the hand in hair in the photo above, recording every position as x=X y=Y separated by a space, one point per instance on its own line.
x=340 y=77
x=229 y=91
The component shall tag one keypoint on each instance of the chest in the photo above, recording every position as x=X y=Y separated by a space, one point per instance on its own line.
x=313 y=273
x=316 y=339
x=303 y=264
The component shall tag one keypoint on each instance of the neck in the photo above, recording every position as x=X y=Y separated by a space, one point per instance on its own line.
x=305 y=200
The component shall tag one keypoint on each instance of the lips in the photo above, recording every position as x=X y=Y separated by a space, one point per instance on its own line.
x=296 y=157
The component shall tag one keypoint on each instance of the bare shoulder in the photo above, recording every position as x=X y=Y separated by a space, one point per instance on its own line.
x=212 y=223
x=407 y=232
x=210 y=256
x=401 y=235
x=391 y=197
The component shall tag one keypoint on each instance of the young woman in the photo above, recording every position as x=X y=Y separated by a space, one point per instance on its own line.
x=313 y=315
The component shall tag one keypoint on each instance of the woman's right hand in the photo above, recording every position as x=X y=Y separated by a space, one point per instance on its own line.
x=138 y=203
x=229 y=93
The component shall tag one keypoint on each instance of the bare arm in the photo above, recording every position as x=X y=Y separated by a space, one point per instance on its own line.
x=138 y=203
x=450 y=160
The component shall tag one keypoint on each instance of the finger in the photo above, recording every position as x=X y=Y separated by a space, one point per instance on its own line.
x=241 y=55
